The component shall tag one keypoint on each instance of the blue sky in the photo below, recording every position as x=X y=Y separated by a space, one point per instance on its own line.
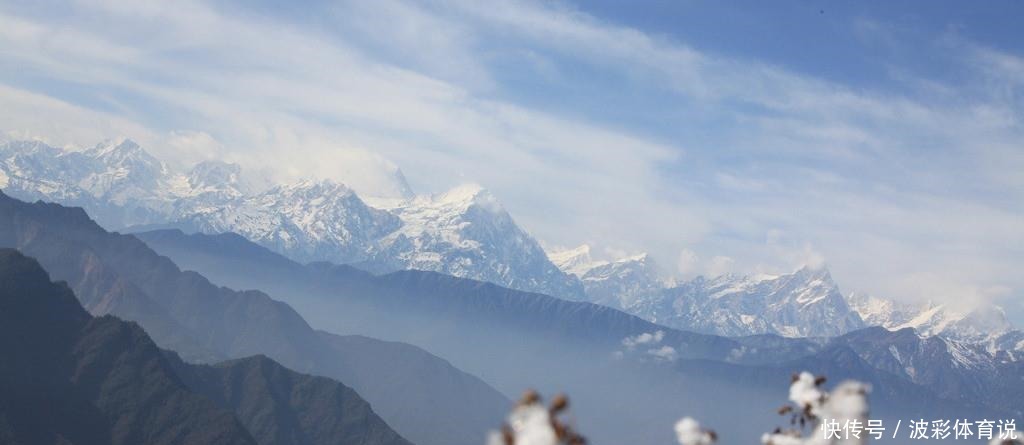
x=881 y=138
x=826 y=38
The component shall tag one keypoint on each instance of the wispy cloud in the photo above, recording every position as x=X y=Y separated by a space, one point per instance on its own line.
x=587 y=130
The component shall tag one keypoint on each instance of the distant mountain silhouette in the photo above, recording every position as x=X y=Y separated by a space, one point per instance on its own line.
x=424 y=398
x=68 y=377
x=605 y=358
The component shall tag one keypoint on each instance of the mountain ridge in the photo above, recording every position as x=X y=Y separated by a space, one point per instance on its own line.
x=463 y=231
x=210 y=323
x=632 y=284
x=515 y=339
x=68 y=377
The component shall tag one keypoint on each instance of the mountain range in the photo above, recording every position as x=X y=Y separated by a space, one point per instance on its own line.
x=985 y=324
x=182 y=311
x=805 y=303
x=510 y=339
x=463 y=232
x=66 y=377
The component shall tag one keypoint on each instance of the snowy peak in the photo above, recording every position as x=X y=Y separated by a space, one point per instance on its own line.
x=122 y=171
x=576 y=261
x=465 y=232
x=640 y=258
x=118 y=181
x=35 y=162
x=805 y=303
x=467 y=217
x=634 y=267
x=876 y=311
x=981 y=324
x=808 y=273
x=208 y=184
x=621 y=283
x=318 y=191
x=806 y=287
x=985 y=325
x=29 y=148
x=465 y=196
x=126 y=159
x=306 y=220
x=214 y=175
x=117 y=151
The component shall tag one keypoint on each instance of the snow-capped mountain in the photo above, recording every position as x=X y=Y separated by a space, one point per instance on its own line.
x=117 y=180
x=123 y=173
x=36 y=169
x=215 y=179
x=619 y=284
x=1012 y=341
x=954 y=369
x=576 y=261
x=465 y=232
x=986 y=325
x=806 y=303
x=307 y=221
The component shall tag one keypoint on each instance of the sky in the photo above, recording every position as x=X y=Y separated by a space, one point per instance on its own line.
x=882 y=139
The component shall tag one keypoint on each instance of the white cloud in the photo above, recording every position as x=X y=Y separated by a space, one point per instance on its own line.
x=191 y=147
x=650 y=347
x=64 y=125
x=900 y=192
x=720 y=265
x=645 y=338
x=687 y=265
x=665 y=353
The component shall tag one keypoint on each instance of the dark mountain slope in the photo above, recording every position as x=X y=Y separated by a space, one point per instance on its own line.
x=282 y=406
x=951 y=369
x=115 y=273
x=381 y=370
x=66 y=377
x=517 y=339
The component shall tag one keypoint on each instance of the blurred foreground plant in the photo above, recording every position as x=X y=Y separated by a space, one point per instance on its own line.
x=531 y=423
x=811 y=404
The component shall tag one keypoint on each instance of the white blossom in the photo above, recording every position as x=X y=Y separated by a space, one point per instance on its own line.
x=688 y=432
x=495 y=438
x=805 y=394
x=531 y=424
x=847 y=402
